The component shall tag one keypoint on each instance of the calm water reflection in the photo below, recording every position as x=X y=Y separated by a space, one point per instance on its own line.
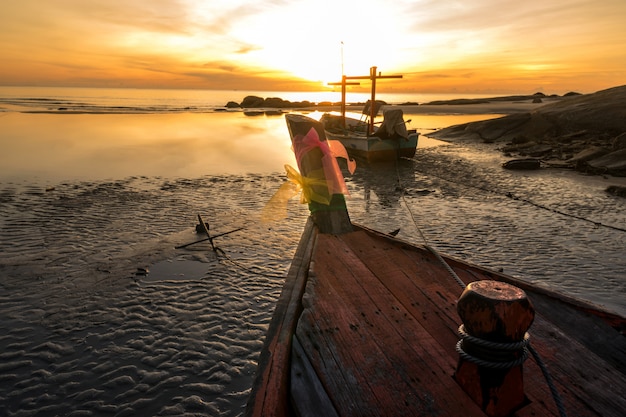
x=53 y=147
x=56 y=147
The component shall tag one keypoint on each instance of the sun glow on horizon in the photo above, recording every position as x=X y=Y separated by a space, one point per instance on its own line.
x=299 y=47
x=439 y=45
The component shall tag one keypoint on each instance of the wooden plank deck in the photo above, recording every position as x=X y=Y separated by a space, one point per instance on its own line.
x=367 y=325
x=379 y=327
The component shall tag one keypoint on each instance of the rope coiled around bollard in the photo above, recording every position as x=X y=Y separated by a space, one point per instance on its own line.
x=521 y=347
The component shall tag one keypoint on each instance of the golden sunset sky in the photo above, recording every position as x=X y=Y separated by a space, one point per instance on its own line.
x=441 y=46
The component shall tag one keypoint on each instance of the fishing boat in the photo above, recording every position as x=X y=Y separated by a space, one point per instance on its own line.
x=370 y=325
x=361 y=137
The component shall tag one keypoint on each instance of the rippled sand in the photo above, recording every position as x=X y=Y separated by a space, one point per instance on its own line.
x=84 y=331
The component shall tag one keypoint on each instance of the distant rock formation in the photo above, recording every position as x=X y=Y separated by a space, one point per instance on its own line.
x=535 y=98
x=586 y=132
x=255 y=102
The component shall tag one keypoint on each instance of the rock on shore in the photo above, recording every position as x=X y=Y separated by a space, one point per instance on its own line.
x=256 y=102
x=586 y=132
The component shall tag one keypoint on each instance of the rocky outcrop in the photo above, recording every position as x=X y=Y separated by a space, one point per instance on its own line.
x=585 y=132
x=620 y=142
x=252 y=101
x=255 y=102
x=613 y=163
x=534 y=98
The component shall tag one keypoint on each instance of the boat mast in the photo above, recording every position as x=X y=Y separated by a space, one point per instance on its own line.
x=343 y=84
x=372 y=77
x=343 y=91
x=372 y=100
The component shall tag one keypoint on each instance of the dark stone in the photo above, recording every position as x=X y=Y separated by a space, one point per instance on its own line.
x=613 y=163
x=588 y=154
x=619 y=142
x=539 y=150
x=302 y=104
x=232 y=105
x=276 y=103
x=520 y=139
x=252 y=101
x=522 y=164
x=616 y=190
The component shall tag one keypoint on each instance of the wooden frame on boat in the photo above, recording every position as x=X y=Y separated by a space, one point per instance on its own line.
x=361 y=139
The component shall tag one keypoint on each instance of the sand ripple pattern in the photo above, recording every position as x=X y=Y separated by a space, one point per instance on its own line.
x=81 y=334
x=162 y=349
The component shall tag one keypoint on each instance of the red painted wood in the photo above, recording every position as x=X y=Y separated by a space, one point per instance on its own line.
x=379 y=322
x=380 y=303
x=356 y=318
x=270 y=392
x=379 y=325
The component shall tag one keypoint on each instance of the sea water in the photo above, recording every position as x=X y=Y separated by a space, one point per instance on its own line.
x=174 y=100
x=100 y=314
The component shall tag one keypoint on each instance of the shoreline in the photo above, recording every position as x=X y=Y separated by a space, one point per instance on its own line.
x=586 y=133
x=501 y=107
x=101 y=315
x=277 y=106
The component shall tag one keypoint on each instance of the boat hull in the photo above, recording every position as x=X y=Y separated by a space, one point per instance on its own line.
x=353 y=135
x=374 y=149
x=368 y=325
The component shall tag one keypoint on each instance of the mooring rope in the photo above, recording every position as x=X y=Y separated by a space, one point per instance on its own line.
x=221 y=255
x=550 y=382
x=419 y=230
x=224 y=256
x=527 y=348
x=495 y=348
x=527 y=201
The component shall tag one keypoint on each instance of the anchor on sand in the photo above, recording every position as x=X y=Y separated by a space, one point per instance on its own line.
x=203 y=227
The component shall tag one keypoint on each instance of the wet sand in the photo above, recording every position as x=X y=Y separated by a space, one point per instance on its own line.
x=85 y=331
x=494 y=107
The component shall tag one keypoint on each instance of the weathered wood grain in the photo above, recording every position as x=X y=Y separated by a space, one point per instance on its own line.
x=270 y=392
x=373 y=325
x=379 y=326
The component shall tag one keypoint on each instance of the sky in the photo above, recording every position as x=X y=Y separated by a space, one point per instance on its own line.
x=439 y=46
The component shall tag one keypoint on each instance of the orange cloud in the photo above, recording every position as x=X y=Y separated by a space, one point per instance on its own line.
x=440 y=46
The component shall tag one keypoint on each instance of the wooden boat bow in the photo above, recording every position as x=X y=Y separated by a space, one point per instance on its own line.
x=367 y=325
